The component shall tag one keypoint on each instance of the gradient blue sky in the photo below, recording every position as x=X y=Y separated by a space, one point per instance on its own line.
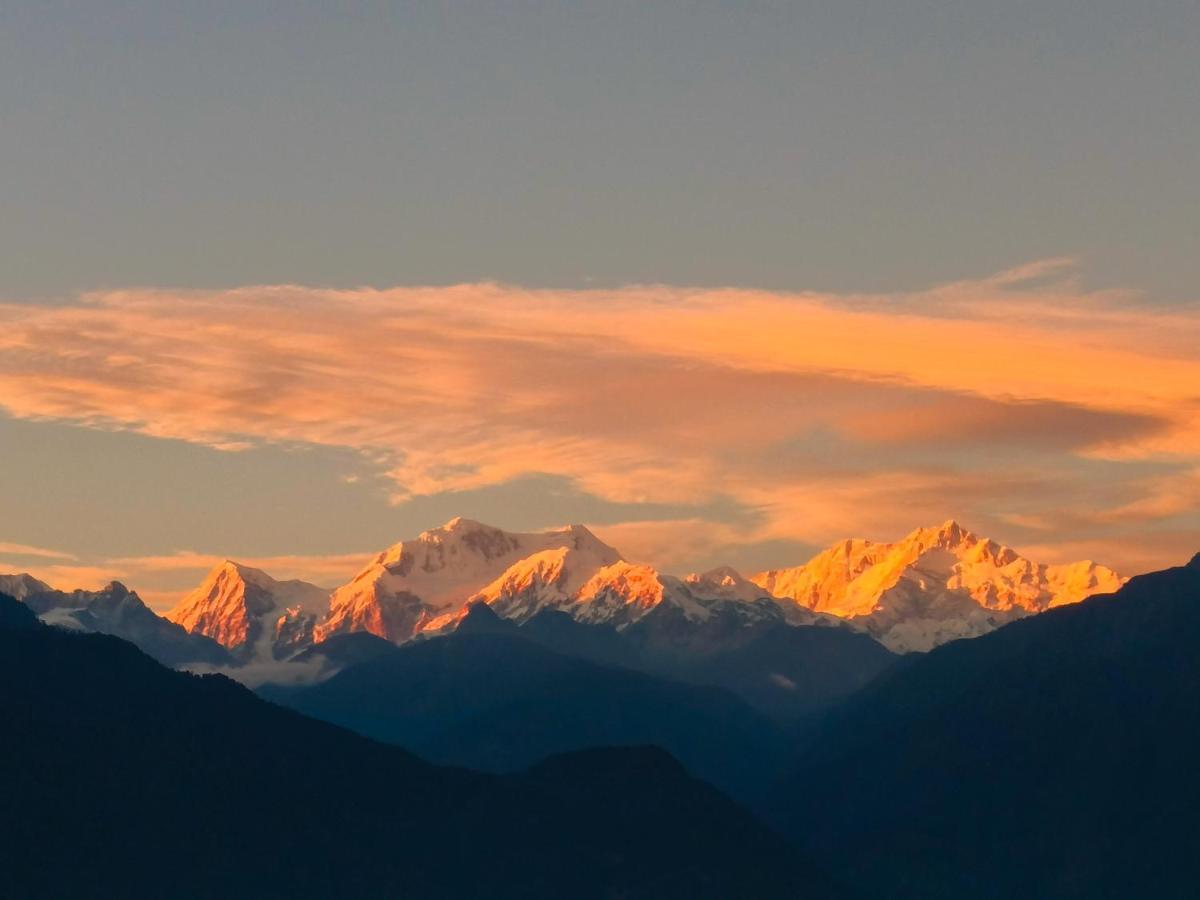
x=878 y=155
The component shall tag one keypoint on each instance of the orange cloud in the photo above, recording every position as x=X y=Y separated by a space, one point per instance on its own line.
x=816 y=411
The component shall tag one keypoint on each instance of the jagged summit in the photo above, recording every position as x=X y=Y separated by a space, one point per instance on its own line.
x=424 y=582
x=934 y=585
x=119 y=611
x=20 y=586
x=250 y=613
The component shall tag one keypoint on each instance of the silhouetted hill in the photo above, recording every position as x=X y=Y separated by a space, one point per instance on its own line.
x=16 y=616
x=488 y=698
x=346 y=649
x=125 y=779
x=1054 y=758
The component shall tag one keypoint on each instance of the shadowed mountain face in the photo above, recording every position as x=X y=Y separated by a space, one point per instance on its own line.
x=487 y=697
x=118 y=611
x=122 y=778
x=1053 y=758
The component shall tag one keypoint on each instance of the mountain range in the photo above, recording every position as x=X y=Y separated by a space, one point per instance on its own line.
x=790 y=642
x=1051 y=755
x=935 y=585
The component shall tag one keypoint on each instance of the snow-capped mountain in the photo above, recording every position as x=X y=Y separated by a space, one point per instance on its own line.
x=118 y=611
x=21 y=586
x=423 y=584
x=935 y=585
x=250 y=614
x=617 y=594
x=426 y=585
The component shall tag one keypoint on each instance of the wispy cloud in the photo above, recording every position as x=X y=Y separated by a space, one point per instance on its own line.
x=818 y=412
x=11 y=549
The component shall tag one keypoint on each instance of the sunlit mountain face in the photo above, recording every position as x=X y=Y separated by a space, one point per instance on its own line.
x=935 y=585
x=250 y=613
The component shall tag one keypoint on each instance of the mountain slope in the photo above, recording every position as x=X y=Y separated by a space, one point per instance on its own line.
x=122 y=778
x=250 y=614
x=486 y=697
x=1052 y=758
x=793 y=673
x=790 y=673
x=935 y=585
x=118 y=611
x=22 y=585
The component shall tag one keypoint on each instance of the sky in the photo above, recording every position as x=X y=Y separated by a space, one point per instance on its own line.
x=728 y=282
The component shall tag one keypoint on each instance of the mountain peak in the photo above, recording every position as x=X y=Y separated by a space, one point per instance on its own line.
x=245 y=610
x=461 y=523
x=1195 y=562
x=719 y=574
x=22 y=585
x=229 y=568
x=936 y=584
x=949 y=534
x=480 y=618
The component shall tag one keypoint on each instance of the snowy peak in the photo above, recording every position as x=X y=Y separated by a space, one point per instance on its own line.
x=250 y=613
x=21 y=586
x=619 y=594
x=724 y=583
x=934 y=585
x=420 y=584
x=600 y=590
x=118 y=611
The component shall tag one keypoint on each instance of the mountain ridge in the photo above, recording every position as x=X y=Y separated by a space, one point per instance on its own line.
x=934 y=585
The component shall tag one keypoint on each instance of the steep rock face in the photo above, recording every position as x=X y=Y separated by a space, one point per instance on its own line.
x=935 y=585
x=251 y=614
